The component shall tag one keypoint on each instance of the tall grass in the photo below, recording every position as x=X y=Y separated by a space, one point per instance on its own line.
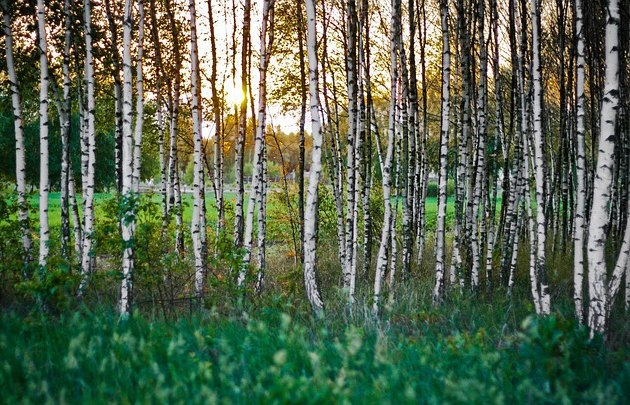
x=463 y=352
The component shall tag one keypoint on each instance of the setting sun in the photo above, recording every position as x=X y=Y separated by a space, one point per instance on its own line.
x=234 y=95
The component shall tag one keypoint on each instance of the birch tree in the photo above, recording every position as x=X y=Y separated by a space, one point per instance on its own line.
x=310 y=212
x=242 y=128
x=218 y=125
x=257 y=189
x=44 y=183
x=602 y=182
x=137 y=134
x=382 y=258
x=18 y=126
x=580 y=210
x=539 y=161
x=63 y=103
x=198 y=221
x=115 y=55
x=440 y=264
x=89 y=149
x=128 y=197
x=173 y=191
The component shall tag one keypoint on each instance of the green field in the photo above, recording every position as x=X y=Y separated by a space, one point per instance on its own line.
x=54 y=207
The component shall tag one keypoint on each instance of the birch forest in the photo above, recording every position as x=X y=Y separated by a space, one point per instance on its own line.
x=276 y=201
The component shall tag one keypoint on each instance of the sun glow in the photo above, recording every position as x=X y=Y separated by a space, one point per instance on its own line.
x=234 y=95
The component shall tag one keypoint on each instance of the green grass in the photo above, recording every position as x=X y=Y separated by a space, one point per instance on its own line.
x=461 y=353
x=54 y=208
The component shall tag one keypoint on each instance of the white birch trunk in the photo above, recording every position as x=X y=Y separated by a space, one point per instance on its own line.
x=197 y=216
x=621 y=267
x=44 y=232
x=539 y=163
x=602 y=183
x=64 y=119
x=351 y=169
x=89 y=153
x=580 y=209
x=310 y=213
x=440 y=232
x=381 y=260
x=127 y=221
x=256 y=189
x=20 y=153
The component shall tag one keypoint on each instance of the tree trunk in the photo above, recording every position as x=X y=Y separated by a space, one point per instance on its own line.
x=198 y=190
x=44 y=232
x=440 y=264
x=128 y=198
x=310 y=213
x=218 y=125
x=381 y=261
x=580 y=223
x=242 y=129
x=257 y=187
x=303 y=99
x=539 y=163
x=20 y=152
x=113 y=29
x=603 y=177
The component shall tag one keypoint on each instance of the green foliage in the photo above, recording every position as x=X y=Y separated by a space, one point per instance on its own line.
x=11 y=254
x=432 y=188
x=53 y=289
x=274 y=355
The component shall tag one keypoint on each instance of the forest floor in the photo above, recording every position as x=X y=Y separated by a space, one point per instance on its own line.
x=468 y=350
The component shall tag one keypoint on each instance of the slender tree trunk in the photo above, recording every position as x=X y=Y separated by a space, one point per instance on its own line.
x=310 y=213
x=367 y=123
x=381 y=261
x=539 y=162
x=580 y=223
x=440 y=233
x=256 y=190
x=160 y=79
x=64 y=118
x=137 y=141
x=20 y=152
x=174 y=191
x=242 y=129
x=351 y=172
x=113 y=29
x=603 y=177
x=128 y=197
x=198 y=190
x=303 y=89
x=218 y=125
x=44 y=232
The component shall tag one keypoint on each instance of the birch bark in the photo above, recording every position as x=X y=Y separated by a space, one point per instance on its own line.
x=44 y=232
x=440 y=264
x=580 y=209
x=197 y=216
x=382 y=258
x=128 y=218
x=310 y=213
x=20 y=152
x=602 y=182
